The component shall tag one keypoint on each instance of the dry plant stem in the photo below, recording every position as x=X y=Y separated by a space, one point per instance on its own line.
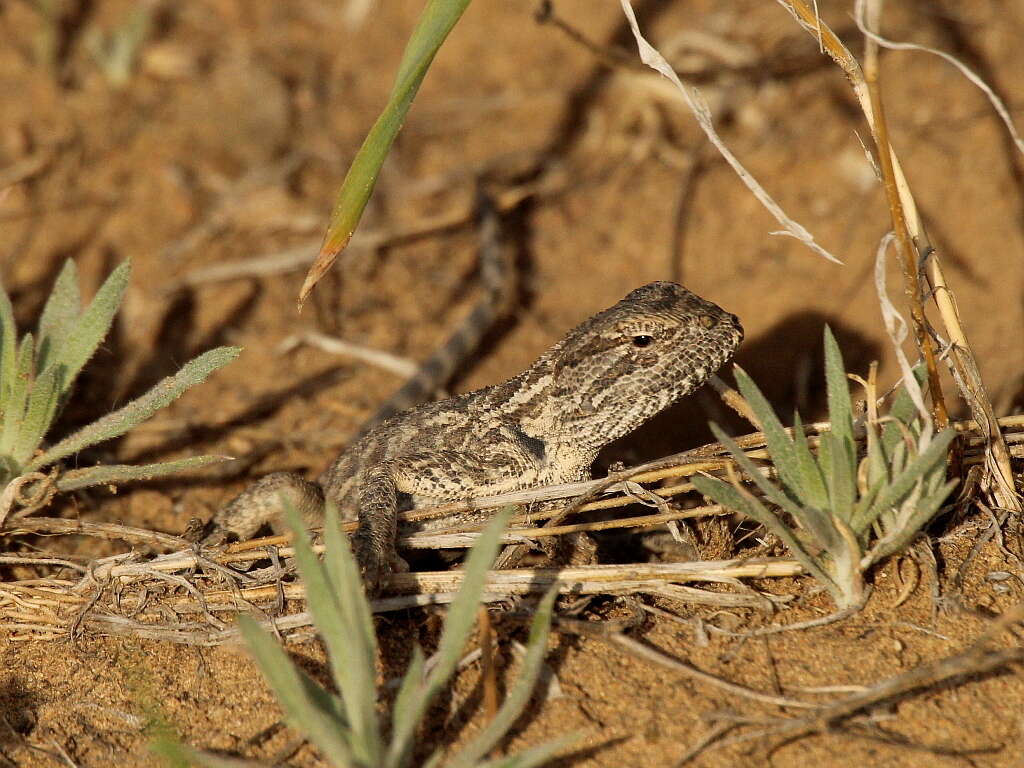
x=911 y=281
x=651 y=655
x=968 y=378
x=997 y=457
x=971 y=387
x=734 y=400
x=975 y=660
x=50 y=612
x=55 y=526
x=510 y=556
x=822 y=621
x=490 y=682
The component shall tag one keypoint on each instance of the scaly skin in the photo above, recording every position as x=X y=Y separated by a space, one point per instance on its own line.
x=603 y=380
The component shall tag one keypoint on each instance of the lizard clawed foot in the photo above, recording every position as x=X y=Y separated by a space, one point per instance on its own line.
x=575 y=549
x=376 y=564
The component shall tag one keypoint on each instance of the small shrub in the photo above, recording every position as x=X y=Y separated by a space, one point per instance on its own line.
x=37 y=374
x=848 y=513
x=345 y=726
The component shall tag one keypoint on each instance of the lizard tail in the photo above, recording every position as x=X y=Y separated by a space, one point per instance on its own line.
x=496 y=275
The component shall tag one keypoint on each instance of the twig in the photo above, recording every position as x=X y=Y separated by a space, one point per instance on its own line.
x=963 y=362
x=647 y=653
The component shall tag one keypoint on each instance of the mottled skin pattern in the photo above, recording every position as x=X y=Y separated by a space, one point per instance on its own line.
x=604 y=379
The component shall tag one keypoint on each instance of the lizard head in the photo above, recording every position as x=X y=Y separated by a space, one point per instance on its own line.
x=625 y=364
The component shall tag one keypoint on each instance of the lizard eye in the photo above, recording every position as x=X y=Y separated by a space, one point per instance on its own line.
x=642 y=341
x=707 y=321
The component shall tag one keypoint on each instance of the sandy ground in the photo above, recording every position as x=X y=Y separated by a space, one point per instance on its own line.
x=226 y=142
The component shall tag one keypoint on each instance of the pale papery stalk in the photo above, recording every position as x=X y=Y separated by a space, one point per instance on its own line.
x=962 y=358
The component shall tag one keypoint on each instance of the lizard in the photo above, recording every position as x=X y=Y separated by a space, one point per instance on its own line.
x=546 y=425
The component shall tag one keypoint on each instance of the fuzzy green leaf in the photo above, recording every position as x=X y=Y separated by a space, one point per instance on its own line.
x=729 y=497
x=878 y=467
x=518 y=697
x=306 y=706
x=780 y=446
x=842 y=482
x=351 y=646
x=839 y=408
x=865 y=512
x=897 y=539
x=8 y=351
x=88 y=330
x=813 y=482
x=352 y=650
x=901 y=485
x=412 y=682
x=18 y=398
x=39 y=414
x=771 y=491
x=62 y=309
x=904 y=411
x=457 y=626
x=134 y=413
x=116 y=474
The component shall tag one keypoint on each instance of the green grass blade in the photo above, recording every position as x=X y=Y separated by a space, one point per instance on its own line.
x=436 y=21
x=841 y=479
x=816 y=495
x=15 y=414
x=116 y=474
x=902 y=484
x=351 y=647
x=840 y=410
x=353 y=650
x=88 y=330
x=729 y=497
x=407 y=692
x=532 y=757
x=771 y=491
x=39 y=413
x=896 y=540
x=63 y=306
x=306 y=706
x=780 y=446
x=457 y=626
x=8 y=351
x=134 y=413
x=518 y=697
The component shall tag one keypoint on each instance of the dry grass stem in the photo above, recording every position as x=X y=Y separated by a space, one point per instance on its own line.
x=179 y=596
x=399 y=366
x=978 y=659
x=144 y=602
x=964 y=365
x=656 y=657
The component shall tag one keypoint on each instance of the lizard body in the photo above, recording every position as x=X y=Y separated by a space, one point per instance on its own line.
x=546 y=425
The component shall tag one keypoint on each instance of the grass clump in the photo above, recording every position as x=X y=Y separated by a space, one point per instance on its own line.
x=37 y=374
x=844 y=513
x=345 y=726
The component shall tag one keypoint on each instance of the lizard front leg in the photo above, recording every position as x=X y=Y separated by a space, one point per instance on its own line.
x=374 y=540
